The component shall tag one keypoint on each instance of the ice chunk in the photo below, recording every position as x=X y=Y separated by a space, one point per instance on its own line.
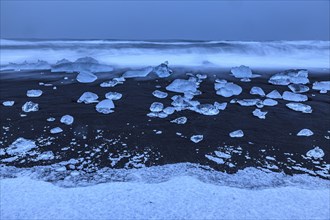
x=34 y=93
x=138 y=73
x=56 y=130
x=182 y=103
x=51 y=119
x=206 y=109
x=182 y=86
x=20 y=147
x=241 y=72
x=105 y=106
x=215 y=159
x=88 y=64
x=299 y=107
x=67 y=119
x=88 y=97
x=180 y=120
x=236 y=134
x=305 y=132
x=113 y=95
x=156 y=107
x=157 y=114
x=163 y=70
x=222 y=154
x=274 y=95
x=298 y=88
x=30 y=107
x=260 y=114
x=257 y=91
x=296 y=77
x=111 y=83
x=323 y=86
x=159 y=94
x=269 y=102
x=316 y=153
x=48 y=155
x=196 y=138
x=248 y=102
x=8 y=103
x=169 y=110
x=227 y=89
x=86 y=77
x=220 y=106
x=290 y=96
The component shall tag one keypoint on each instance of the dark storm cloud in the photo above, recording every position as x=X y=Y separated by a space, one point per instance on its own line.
x=194 y=20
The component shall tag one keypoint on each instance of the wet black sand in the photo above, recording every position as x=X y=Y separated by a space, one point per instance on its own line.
x=129 y=131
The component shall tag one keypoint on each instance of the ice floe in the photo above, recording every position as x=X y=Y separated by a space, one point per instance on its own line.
x=86 y=77
x=30 y=107
x=182 y=86
x=274 y=95
x=227 y=89
x=196 y=138
x=316 y=153
x=180 y=120
x=67 y=119
x=105 y=106
x=162 y=70
x=8 y=103
x=20 y=147
x=305 y=132
x=113 y=95
x=236 y=134
x=34 y=93
x=138 y=73
x=285 y=78
x=299 y=107
x=56 y=130
x=159 y=94
x=260 y=114
x=298 y=88
x=88 y=97
x=257 y=91
x=290 y=96
x=323 y=86
x=269 y=102
x=156 y=107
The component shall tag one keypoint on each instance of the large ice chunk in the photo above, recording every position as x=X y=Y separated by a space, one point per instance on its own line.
x=8 y=103
x=316 y=153
x=290 y=96
x=257 y=91
x=305 y=132
x=34 y=93
x=20 y=147
x=180 y=120
x=67 y=119
x=299 y=107
x=196 y=138
x=30 y=107
x=236 y=134
x=86 y=77
x=105 y=106
x=163 y=70
x=260 y=114
x=323 y=86
x=159 y=94
x=156 y=107
x=88 y=97
x=138 y=73
x=285 y=78
x=274 y=95
x=298 y=88
x=113 y=95
x=182 y=86
x=227 y=89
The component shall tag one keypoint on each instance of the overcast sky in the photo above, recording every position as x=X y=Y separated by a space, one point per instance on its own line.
x=190 y=20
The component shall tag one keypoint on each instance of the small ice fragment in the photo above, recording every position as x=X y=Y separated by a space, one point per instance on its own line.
x=105 y=106
x=67 y=119
x=298 y=88
x=34 y=93
x=248 y=102
x=315 y=153
x=158 y=132
x=196 y=138
x=305 y=132
x=137 y=73
x=290 y=96
x=260 y=114
x=56 y=130
x=30 y=107
x=156 y=107
x=222 y=154
x=20 y=147
x=215 y=159
x=159 y=94
x=111 y=83
x=257 y=91
x=180 y=120
x=236 y=134
x=113 y=95
x=322 y=86
x=48 y=155
x=220 y=106
x=86 y=77
x=269 y=102
x=299 y=107
x=274 y=95
x=241 y=72
x=51 y=119
x=88 y=97
x=163 y=70
x=8 y=103
x=182 y=86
